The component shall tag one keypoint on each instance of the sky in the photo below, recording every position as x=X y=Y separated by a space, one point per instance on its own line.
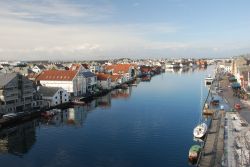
x=107 y=29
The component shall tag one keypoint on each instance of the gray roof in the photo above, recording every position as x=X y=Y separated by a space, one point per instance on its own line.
x=48 y=91
x=40 y=66
x=6 y=78
x=88 y=74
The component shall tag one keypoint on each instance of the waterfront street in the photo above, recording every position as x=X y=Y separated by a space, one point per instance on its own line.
x=237 y=137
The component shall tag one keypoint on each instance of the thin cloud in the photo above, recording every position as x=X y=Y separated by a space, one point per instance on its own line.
x=56 y=11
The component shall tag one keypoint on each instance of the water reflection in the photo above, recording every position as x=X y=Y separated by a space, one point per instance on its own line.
x=114 y=130
x=18 y=140
x=185 y=70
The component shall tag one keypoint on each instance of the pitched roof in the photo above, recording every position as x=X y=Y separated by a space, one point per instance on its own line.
x=102 y=76
x=40 y=66
x=75 y=67
x=48 y=91
x=57 y=75
x=59 y=65
x=88 y=74
x=115 y=77
x=6 y=78
x=119 y=68
x=86 y=66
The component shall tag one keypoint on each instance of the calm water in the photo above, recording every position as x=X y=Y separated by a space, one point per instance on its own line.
x=147 y=125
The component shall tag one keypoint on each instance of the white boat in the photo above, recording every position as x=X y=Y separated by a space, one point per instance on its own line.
x=200 y=130
x=10 y=115
x=208 y=80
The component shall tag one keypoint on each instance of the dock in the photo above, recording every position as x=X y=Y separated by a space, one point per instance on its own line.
x=213 y=145
x=212 y=151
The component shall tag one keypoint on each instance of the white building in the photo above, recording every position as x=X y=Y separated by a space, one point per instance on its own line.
x=38 y=68
x=83 y=71
x=227 y=67
x=71 y=81
x=54 y=95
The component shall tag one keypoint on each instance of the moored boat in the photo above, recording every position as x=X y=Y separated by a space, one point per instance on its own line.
x=194 y=152
x=200 y=130
x=78 y=102
x=208 y=80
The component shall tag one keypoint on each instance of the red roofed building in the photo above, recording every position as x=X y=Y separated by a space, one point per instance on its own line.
x=103 y=81
x=127 y=70
x=69 y=80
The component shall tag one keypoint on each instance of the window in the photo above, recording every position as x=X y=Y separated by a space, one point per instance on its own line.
x=56 y=97
x=65 y=95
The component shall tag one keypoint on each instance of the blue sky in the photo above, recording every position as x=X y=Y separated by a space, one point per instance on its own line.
x=100 y=29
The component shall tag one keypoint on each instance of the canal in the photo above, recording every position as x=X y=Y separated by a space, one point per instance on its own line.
x=147 y=125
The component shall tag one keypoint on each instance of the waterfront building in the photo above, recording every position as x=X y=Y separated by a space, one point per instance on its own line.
x=227 y=67
x=53 y=95
x=117 y=80
x=16 y=93
x=242 y=74
x=71 y=81
x=127 y=70
x=239 y=61
x=83 y=71
x=103 y=81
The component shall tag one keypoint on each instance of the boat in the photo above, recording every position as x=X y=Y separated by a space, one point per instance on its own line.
x=215 y=102
x=200 y=130
x=10 y=115
x=194 y=152
x=49 y=113
x=208 y=80
x=146 y=78
x=78 y=102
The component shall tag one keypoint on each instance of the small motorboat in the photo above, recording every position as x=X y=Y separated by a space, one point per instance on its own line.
x=215 y=102
x=194 y=152
x=78 y=102
x=209 y=80
x=200 y=130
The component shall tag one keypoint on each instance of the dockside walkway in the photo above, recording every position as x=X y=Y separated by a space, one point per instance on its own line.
x=213 y=147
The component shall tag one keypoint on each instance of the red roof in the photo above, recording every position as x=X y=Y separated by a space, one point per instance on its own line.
x=119 y=68
x=75 y=67
x=102 y=76
x=86 y=66
x=115 y=77
x=57 y=75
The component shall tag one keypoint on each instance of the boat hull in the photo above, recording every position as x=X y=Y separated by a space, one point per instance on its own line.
x=200 y=130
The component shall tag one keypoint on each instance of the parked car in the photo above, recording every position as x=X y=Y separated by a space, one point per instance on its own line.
x=237 y=106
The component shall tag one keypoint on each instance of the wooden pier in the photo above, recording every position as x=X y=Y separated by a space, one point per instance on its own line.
x=212 y=151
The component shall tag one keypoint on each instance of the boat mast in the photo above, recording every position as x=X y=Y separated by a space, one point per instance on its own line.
x=201 y=106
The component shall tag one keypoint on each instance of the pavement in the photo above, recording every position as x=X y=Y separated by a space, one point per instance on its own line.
x=236 y=136
x=231 y=100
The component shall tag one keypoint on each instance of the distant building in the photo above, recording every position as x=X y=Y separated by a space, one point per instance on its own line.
x=16 y=93
x=38 y=68
x=127 y=70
